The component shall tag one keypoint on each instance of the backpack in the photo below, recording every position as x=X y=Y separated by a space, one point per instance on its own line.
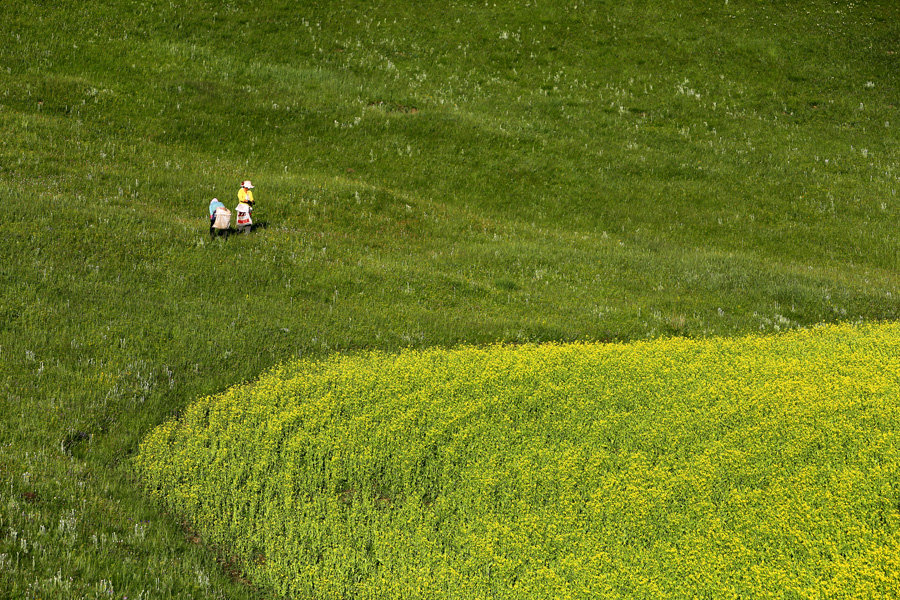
x=223 y=218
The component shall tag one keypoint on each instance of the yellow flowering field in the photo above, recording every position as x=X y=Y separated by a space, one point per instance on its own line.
x=754 y=467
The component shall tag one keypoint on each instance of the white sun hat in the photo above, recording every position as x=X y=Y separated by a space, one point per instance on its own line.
x=247 y=185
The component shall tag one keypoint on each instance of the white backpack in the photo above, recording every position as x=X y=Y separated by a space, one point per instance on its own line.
x=223 y=218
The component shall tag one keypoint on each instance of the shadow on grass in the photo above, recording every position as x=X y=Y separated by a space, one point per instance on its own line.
x=226 y=233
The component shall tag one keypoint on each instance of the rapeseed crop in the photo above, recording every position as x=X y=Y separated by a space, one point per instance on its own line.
x=724 y=468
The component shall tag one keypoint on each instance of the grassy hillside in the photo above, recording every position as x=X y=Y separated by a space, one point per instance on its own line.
x=428 y=174
x=756 y=467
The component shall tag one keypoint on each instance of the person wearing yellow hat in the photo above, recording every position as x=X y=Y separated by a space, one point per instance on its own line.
x=245 y=195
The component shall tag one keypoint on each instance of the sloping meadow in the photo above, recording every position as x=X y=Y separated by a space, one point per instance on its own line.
x=751 y=467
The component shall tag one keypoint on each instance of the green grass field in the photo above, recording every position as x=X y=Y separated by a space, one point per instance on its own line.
x=428 y=174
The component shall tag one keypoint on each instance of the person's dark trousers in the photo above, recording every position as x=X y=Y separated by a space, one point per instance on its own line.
x=212 y=230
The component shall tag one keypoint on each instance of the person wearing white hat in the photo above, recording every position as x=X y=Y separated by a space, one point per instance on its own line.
x=245 y=195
